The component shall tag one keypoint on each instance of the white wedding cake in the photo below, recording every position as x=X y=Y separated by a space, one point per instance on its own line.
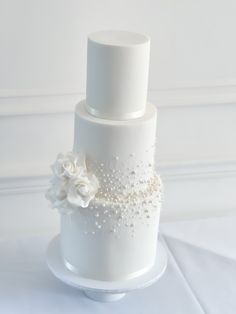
x=107 y=190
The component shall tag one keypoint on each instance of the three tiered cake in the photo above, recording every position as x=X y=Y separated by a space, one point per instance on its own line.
x=107 y=190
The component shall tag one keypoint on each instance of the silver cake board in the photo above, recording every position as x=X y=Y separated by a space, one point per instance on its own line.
x=103 y=291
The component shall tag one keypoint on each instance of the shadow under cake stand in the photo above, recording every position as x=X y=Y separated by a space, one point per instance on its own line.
x=104 y=291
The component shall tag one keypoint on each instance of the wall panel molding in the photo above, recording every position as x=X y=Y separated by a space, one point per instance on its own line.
x=48 y=102
x=170 y=172
x=191 y=190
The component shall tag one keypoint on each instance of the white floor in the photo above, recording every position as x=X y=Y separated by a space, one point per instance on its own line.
x=200 y=277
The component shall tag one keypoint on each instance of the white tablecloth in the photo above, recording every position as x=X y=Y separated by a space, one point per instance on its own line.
x=200 y=277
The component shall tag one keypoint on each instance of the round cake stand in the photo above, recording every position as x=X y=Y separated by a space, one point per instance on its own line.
x=104 y=291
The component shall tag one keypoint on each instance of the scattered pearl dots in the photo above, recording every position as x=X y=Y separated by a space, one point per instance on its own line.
x=129 y=196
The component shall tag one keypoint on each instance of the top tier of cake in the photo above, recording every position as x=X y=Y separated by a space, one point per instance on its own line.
x=117 y=74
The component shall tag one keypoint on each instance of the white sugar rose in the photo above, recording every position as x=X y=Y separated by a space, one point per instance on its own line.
x=71 y=185
x=82 y=190
x=69 y=165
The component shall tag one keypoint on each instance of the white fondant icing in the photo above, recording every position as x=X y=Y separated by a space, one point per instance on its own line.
x=117 y=74
x=110 y=196
x=132 y=275
x=107 y=255
x=119 y=228
x=125 y=116
x=117 y=148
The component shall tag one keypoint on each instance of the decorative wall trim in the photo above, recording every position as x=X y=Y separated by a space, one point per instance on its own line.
x=24 y=104
x=23 y=184
x=195 y=170
x=34 y=105
x=191 y=190
x=170 y=172
x=195 y=96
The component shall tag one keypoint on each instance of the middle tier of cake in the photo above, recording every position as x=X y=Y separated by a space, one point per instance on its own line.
x=120 y=153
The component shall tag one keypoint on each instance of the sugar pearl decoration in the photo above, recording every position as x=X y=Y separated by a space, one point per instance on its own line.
x=129 y=196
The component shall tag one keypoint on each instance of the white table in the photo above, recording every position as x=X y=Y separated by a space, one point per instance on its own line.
x=200 y=277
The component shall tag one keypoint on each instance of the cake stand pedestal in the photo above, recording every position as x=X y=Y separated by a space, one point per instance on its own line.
x=104 y=291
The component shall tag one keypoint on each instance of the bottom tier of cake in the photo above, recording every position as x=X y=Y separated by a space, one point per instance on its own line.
x=105 y=244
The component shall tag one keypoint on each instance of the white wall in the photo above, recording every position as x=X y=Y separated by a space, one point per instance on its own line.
x=192 y=81
x=43 y=42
